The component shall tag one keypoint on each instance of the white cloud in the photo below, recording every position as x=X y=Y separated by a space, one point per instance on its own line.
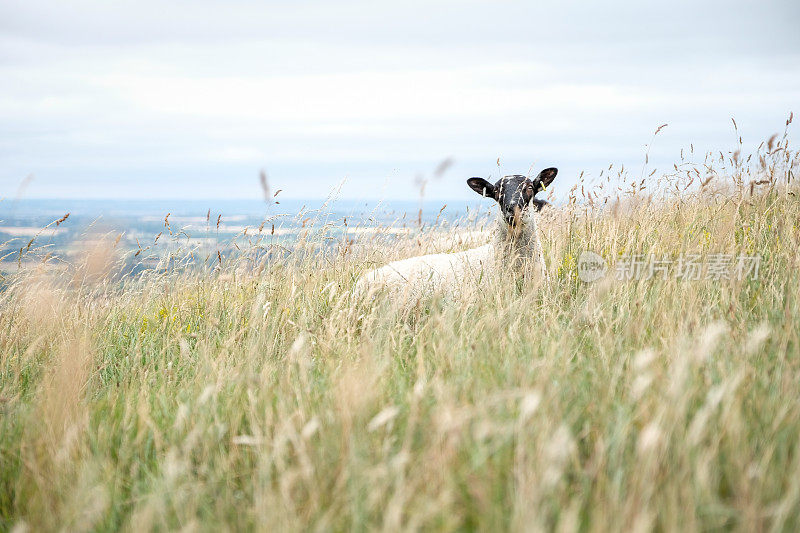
x=107 y=97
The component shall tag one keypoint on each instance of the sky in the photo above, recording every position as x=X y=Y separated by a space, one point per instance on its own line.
x=148 y=99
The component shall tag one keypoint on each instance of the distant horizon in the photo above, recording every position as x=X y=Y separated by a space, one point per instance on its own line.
x=450 y=186
x=6 y=200
x=41 y=208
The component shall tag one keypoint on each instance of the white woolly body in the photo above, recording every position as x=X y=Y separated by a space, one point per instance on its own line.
x=430 y=272
x=450 y=271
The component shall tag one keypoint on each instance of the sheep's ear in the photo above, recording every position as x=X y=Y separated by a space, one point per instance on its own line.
x=539 y=204
x=482 y=187
x=544 y=179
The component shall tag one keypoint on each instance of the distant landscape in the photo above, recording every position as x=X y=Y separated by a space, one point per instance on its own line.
x=32 y=230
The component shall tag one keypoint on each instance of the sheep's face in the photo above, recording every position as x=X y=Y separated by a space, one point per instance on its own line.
x=515 y=193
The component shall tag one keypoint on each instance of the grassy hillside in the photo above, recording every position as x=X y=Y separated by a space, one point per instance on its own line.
x=266 y=398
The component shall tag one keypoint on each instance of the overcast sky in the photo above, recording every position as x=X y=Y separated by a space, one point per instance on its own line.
x=147 y=99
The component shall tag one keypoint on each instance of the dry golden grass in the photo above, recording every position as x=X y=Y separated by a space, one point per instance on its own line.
x=267 y=398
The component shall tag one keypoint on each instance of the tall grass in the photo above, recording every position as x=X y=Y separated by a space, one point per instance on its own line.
x=268 y=398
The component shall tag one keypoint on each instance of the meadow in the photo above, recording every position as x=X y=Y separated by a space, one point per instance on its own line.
x=261 y=395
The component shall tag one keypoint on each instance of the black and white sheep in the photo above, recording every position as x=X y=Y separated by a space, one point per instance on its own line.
x=515 y=244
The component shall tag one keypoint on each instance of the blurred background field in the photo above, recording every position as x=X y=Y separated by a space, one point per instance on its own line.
x=33 y=234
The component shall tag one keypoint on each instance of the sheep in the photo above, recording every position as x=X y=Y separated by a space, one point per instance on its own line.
x=515 y=242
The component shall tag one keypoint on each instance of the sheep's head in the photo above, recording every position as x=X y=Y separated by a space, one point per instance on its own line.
x=515 y=193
